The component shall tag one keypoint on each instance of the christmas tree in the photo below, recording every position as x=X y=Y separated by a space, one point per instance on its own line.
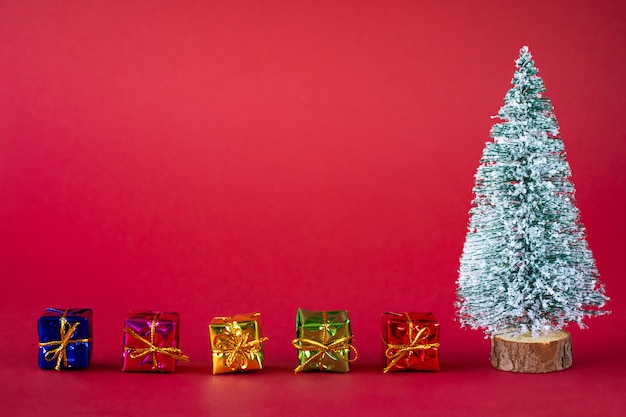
x=526 y=265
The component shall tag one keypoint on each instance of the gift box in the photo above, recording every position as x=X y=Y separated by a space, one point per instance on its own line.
x=151 y=342
x=323 y=340
x=236 y=343
x=65 y=338
x=410 y=341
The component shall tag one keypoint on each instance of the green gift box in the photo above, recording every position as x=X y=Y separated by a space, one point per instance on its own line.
x=323 y=340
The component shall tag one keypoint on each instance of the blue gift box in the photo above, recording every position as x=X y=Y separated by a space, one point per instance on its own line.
x=65 y=338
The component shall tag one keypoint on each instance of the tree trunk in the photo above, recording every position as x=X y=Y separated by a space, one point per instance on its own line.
x=546 y=353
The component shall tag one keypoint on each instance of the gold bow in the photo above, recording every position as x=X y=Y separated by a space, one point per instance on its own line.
x=309 y=345
x=60 y=353
x=151 y=348
x=234 y=344
x=396 y=352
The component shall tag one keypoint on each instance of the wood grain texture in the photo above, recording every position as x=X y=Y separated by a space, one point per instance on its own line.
x=547 y=353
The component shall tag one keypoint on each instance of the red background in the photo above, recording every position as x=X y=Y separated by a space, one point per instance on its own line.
x=216 y=157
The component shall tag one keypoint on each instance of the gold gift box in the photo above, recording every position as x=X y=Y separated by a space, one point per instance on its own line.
x=236 y=343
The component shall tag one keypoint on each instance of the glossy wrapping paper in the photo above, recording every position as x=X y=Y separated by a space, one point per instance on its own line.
x=410 y=341
x=236 y=343
x=330 y=329
x=151 y=342
x=65 y=338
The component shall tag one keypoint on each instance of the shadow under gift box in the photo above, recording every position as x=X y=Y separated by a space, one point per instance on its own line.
x=65 y=338
x=410 y=341
x=236 y=343
x=151 y=342
x=323 y=340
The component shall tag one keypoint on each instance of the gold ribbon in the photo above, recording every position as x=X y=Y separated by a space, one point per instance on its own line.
x=396 y=352
x=309 y=345
x=151 y=348
x=65 y=333
x=234 y=344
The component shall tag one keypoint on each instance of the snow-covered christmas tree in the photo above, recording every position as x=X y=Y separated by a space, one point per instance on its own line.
x=526 y=266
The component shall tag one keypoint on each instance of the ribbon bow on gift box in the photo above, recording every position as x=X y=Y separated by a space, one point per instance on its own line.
x=235 y=344
x=396 y=352
x=334 y=347
x=66 y=331
x=151 y=348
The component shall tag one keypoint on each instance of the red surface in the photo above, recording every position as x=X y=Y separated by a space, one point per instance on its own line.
x=221 y=157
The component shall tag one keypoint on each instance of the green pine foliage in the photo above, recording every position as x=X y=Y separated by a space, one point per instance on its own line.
x=526 y=265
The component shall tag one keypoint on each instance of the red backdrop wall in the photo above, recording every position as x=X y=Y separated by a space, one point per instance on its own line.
x=233 y=156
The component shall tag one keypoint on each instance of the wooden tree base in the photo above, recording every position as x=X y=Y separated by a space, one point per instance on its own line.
x=547 y=353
